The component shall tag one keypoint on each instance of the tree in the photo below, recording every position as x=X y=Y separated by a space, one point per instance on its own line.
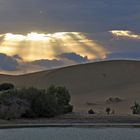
x=108 y=110
x=6 y=86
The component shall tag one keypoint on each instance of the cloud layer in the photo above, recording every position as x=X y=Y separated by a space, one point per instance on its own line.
x=31 y=52
x=66 y=16
x=43 y=34
x=15 y=64
x=8 y=63
x=125 y=34
x=35 y=46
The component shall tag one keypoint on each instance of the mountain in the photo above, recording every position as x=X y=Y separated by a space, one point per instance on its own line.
x=90 y=84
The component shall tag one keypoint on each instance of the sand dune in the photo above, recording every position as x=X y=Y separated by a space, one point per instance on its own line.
x=90 y=83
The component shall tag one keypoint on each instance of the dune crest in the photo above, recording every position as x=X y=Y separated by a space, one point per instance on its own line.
x=89 y=82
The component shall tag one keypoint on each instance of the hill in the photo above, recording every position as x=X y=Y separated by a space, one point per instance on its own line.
x=90 y=84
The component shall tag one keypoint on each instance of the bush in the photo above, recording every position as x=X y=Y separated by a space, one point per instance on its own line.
x=63 y=96
x=108 y=110
x=41 y=103
x=12 y=108
x=6 y=86
x=135 y=108
x=114 y=100
x=91 y=111
x=45 y=106
x=66 y=109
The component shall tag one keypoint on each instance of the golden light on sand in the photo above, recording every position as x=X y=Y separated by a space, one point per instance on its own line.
x=34 y=46
x=125 y=34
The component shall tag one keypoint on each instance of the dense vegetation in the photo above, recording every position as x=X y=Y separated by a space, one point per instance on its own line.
x=32 y=102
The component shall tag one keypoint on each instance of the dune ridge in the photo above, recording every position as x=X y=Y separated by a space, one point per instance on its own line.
x=90 y=83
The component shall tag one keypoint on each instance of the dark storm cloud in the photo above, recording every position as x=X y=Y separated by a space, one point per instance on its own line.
x=8 y=63
x=64 y=60
x=16 y=65
x=48 y=63
x=65 y=15
x=73 y=57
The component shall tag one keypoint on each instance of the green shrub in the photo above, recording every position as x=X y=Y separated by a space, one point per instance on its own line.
x=45 y=106
x=63 y=96
x=12 y=108
x=41 y=103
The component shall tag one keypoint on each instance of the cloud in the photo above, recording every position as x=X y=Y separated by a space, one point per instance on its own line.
x=70 y=29
x=17 y=57
x=73 y=57
x=65 y=15
x=125 y=34
x=64 y=59
x=48 y=64
x=119 y=47
x=124 y=55
x=35 y=46
x=16 y=65
x=8 y=63
x=40 y=51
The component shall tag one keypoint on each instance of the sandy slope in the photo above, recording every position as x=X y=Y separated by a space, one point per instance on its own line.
x=91 y=83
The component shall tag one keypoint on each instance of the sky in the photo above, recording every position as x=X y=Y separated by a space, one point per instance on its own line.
x=45 y=34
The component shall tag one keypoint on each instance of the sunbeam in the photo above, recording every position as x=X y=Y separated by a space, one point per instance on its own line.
x=35 y=46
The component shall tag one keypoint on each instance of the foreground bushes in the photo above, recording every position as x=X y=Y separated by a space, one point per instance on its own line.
x=32 y=102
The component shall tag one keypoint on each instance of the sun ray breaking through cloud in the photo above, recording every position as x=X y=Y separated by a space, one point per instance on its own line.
x=35 y=46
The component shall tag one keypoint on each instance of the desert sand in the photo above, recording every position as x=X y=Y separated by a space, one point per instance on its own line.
x=91 y=84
